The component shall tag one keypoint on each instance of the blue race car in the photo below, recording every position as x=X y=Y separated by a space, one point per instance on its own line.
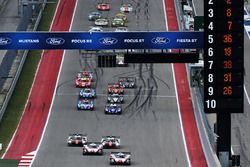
x=85 y=104
x=94 y=16
x=113 y=109
x=87 y=93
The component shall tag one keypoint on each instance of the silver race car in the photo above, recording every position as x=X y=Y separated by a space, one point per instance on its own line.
x=123 y=158
x=92 y=148
x=101 y=22
x=111 y=141
x=115 y=98
x=76 y=139
x=127 y=82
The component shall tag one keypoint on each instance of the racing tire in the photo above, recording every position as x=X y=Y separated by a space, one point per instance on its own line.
x=84 y=152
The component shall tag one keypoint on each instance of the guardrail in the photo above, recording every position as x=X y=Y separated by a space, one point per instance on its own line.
x=210 y=154
x=201 y=121
x=17 y=74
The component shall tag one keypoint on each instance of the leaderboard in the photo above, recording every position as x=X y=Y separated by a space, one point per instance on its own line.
x=224 y=56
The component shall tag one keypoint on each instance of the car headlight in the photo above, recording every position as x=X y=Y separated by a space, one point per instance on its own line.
x=119 y=109
x=106 y=109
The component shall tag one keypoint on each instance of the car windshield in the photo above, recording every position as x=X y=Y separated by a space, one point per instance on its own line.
x=87 y=90
x=84 y=79
x=85 y=101
x=77 y=137
x=116 y=86
x=120 y=155
x=93 y=145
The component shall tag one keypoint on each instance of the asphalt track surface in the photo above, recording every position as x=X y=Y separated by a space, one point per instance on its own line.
x=149 y=126
x=31 y=126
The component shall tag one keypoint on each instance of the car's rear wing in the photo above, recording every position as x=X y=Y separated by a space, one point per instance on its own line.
x=77 y=134
x=115 y=137
x=126 y=153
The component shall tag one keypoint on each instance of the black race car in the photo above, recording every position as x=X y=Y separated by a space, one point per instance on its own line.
x=115 y=98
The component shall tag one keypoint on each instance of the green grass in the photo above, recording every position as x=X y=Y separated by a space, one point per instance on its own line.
x=17 y=102
x=8 y=163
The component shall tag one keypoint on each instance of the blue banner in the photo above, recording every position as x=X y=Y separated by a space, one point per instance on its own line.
x=101 y=40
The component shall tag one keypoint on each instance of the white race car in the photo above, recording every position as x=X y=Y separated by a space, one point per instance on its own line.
x=95 y=29
x=111 y=141
x=126 y=8
x=76 y=139
x=92 y=148
x=121 y=29
x=101 y=22
x=120 y=158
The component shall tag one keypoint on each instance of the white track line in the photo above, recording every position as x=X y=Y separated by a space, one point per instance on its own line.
x=177 y=100
x=51 y=105
x=29 y=94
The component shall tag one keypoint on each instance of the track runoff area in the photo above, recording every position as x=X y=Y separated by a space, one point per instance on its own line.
x=150 y=126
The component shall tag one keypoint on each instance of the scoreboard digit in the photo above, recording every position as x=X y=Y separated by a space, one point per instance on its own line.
x=223 y=56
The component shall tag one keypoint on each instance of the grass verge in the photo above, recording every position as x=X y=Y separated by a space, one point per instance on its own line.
x=17 y=102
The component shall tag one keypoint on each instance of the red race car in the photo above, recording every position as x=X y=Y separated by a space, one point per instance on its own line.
x=103 y=6
x=83 y=82
x=115 y=88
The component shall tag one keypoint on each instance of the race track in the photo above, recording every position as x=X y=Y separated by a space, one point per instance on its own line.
x=149 y=126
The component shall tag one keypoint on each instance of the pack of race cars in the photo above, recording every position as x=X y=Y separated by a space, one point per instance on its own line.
x=118 y=21
x=96 y=148
x=115 y=91
x=87 y=94
x=85 y=80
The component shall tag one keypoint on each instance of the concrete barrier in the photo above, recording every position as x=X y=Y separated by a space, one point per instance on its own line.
x=22 y=27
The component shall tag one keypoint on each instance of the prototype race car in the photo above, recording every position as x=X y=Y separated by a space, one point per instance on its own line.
x=85 y=104
x=113 y=109
x=122 y=16
x=103 y=6
x=94 y=15
x=111 y=141
x=102 y=22
x=115 y=88
x=126 y=8
x=85 y=74
x=87 y=93
x=83 y=82
x=95 y=29
x=117 y=22
x=76 y=139
x=120 y=158
x=127 y=82
x=92 y=148
x=115 y=98
x=121 y=29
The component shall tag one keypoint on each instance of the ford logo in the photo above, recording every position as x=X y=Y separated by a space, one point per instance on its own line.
x=5 y=41
x=160 y=40
x=55 y=41
x=108 y=41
